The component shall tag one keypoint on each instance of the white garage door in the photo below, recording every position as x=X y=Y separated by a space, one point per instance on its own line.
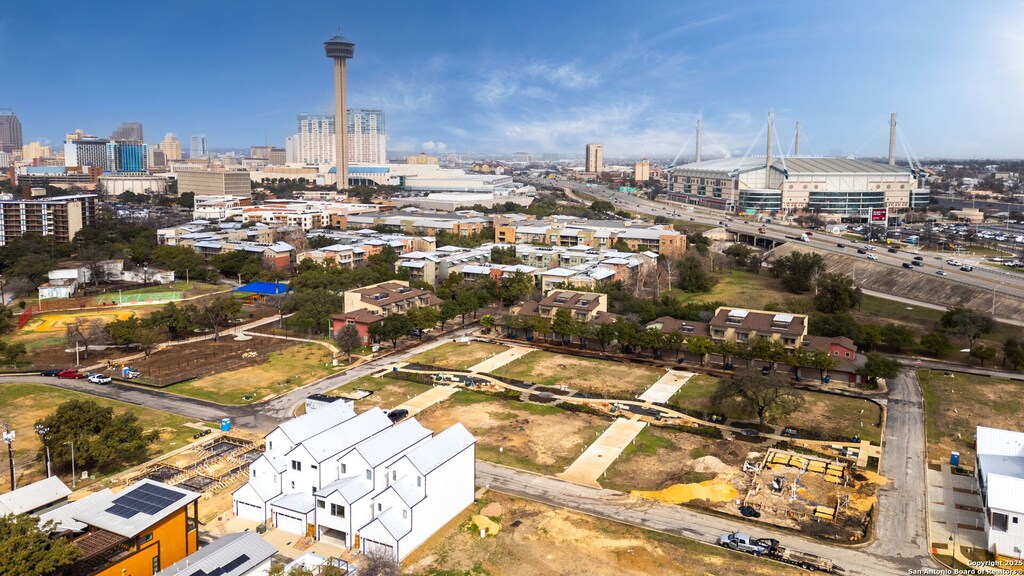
x=293 y=524
x=369 y=547
x=249 y=511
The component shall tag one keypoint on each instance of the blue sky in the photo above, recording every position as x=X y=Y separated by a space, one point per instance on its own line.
x=534 y=76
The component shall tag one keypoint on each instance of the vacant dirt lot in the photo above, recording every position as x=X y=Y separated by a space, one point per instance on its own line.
x=661 y=457
x=22 y=404
x=271 y=373
x=459 y=356
x=591 y=376
x=554 y=542
x=387 y=393
x=956 y=405
x=528 y=436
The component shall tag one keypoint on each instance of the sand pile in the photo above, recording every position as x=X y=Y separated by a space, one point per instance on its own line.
x=711 y=464
x=484 y=523
x=715 y=490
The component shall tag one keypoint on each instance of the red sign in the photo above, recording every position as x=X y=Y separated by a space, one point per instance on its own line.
x=878 y=214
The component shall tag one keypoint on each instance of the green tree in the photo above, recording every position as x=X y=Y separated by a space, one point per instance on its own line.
x=870 y=336
x=766 y=396
x=217 y=313
x=394 y=327
x=897 y=337
x=231 y=264
x=26 y=548
x=123 y=332
x=515 y=288
x=967 y=323
x=564 y=325
x=840 y=324
x=798 y=270
x=726 y=349
x=505 y=256
x=423 y=318
x=179 y=321
x=312 y=308
x=604 y=334
x=701 y=346
x=183 y=260
x=692 y=275
x=768 y=349
x=983 y=353
x=348 y=340
x=740 y=253
x=486 y=322
x=821 y=361
x=936 y=344
x=1013 y=353
x=878 y=366
x=836 y=293
x=101 y=438
x=12 y=352
x=602 y=206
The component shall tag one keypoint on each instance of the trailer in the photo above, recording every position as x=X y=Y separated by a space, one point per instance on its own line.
x=770 y=548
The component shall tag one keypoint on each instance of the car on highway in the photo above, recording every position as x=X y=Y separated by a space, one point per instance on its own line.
x=861 y=251
x=918 y=258
x=872 y=257
x=940 y=272
x=967 y=268
x=840 y=245
x=907 y=265
x=51 y=373
x=99 y=379
x=917 y=263
x=893 y=250
x=70 y=373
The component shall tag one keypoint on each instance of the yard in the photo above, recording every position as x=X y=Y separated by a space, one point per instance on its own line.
x=923 y=320
x=549 y=541
x=955 y=405
x=821 y=415
x=457 y=355
x=592 y=376
x=283 y=370
x=22 y=404
x=741 y=288
x=387 y=393
x=532 y=437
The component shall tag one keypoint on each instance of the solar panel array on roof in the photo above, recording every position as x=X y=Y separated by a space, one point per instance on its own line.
x=225 y=569
x=146 y=499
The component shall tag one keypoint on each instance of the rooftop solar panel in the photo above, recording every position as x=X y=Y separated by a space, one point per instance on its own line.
x=225 y=569
x=145 y=499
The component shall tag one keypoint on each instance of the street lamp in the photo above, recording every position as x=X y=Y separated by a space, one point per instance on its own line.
x=9 y=436
x=74 y=479
x=43 y=430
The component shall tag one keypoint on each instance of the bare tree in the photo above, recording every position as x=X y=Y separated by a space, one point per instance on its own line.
x=379 y=562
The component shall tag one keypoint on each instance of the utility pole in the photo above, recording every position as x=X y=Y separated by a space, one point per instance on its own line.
x=43 y=431
x=74 y=476
x=9 y=436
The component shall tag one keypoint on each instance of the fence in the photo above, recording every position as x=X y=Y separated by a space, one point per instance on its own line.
x=25 y=316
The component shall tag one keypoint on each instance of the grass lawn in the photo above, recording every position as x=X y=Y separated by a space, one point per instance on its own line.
x=22 y=404
x=550 y=541
x=387 y=393
x=882 y=310
x=283 y=371
x=825 y=415
x=459 y=356
x=955 y=405
x=532 y=437
x=585 y=374
x=741 y=288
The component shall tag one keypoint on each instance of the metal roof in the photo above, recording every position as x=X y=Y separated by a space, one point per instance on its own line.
x=1005 y=493
x=345 y=435
x=99 y=512
x=301 y=502
x=838 y=165
x=230 y=555
x=313 y=423
x=428 y=456
x=999 y=442
x=392 y=442
x=34 y=496
x=351 y=488
x=64 y=516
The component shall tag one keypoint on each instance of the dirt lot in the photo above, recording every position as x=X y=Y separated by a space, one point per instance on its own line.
x=387 y=393
x=591 y=376
x=271 y=374
x=204 y=358
x=661 y=457
x=543 y=439
x=821 y=416
x=458 y=355
x=554 y=542
x=956 y=405
x=22 y=404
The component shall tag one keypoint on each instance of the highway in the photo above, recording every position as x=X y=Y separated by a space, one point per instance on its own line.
x=983 y=276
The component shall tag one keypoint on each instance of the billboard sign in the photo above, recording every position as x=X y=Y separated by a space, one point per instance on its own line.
x=879 y=215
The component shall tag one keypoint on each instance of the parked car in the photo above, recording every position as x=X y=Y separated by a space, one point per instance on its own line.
x=132 y=374
x=99 y=379
x=70 y=373
x=716 y=418
x=50 y=373
x=749 y=512
x=397 y=414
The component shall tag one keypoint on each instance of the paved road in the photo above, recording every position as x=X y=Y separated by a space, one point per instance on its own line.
x=676 y=520
x=900 y=529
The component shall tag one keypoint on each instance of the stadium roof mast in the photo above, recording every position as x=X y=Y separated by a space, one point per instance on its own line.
x=696 y=156
x=768 y=150
x=892 y=139
x=796 y=140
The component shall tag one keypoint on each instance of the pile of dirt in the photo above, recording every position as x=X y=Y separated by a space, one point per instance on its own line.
x=712 y=464
x=484 y=523
x=714 y=490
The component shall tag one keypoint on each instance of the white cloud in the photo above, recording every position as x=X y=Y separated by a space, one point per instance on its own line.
x=432 y=146
x=566 y=75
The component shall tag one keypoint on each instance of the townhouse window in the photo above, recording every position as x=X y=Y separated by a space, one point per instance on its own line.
x=322 y=504
x=419 y=481
x=296 y=465
x=313 y=466
x=405 y=514
x=149 y=536
x=379 y=506
x=369 y=474
x=270 y=445
x=337 y=510
x=342 y=469
x=394 y=475
x=293 y=484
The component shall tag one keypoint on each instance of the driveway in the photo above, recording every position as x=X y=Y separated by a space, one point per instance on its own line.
x=600 y=455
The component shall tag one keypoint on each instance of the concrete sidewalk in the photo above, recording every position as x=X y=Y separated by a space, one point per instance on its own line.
x=952 y=509
x=497 y=361
x=600 y=455
x=427 y=399
x=666 y=386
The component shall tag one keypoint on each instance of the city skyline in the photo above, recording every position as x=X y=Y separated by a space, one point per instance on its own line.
x=539 y=79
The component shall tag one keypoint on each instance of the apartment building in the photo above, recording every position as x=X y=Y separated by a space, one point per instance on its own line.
x=391 y=297
x=58 y=216
x=214 y=182
x=584 y=306
x=599 y=235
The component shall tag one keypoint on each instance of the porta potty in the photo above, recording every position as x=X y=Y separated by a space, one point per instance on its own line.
x=225 y=424
x=954 y=459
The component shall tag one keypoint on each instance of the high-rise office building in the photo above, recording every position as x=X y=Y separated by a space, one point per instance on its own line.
x=367 y=136
x=642 y=171
x=34 y=150
x=595 y=158
x=84 y=150
x=316 y=139
x=10 y=131
x=60 y=216
x=128 y=157
x=198 y=147
x=171 y=147
x=128 y=131
x=215 y=183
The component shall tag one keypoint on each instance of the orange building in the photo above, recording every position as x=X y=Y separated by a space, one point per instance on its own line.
x=136 y=532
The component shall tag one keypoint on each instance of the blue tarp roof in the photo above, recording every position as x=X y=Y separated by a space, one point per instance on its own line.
x=263 y=288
